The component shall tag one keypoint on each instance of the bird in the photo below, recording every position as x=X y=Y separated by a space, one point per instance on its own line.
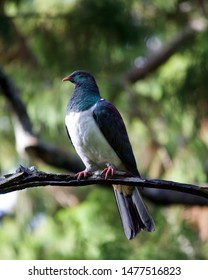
x=98 y=133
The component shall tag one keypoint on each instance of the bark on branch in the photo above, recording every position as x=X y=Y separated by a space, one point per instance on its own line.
x=25 y=178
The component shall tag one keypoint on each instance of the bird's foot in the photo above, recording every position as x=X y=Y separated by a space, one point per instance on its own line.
x=82 y=174
x=108 y=171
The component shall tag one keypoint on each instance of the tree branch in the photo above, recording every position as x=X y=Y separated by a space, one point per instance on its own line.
x=26 y=139
x=25 y=178
x=156 y=59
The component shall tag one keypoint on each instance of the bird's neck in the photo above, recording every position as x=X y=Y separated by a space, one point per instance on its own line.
x=83 y=98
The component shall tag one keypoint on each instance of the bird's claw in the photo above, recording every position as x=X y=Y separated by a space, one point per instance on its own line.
x=108 y=171
x=82 y=174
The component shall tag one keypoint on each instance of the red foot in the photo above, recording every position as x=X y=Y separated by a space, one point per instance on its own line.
x=108 y=171
x=82 y=174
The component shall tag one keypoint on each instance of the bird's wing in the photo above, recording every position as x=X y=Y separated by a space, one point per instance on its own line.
x=68 y=134
x=113 y=128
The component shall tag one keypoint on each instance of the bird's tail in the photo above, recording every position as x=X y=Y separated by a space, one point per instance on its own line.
x=133 y=212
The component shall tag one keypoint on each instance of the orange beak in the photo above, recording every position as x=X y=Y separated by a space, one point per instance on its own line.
x=66 y=79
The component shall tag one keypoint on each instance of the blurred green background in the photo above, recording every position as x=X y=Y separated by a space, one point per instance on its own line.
x=165 y=110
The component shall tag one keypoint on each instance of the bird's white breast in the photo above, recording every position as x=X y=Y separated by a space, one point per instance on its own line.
x=89 y=141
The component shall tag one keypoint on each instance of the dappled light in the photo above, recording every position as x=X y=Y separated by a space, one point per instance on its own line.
x=150 y=59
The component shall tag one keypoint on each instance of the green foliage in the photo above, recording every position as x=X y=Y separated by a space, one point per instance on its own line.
x=166 y=115
x=92 y=230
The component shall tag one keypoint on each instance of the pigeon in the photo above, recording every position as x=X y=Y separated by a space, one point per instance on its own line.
x=99 y=136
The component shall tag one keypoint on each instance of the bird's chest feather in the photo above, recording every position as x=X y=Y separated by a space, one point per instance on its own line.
x=89 y=141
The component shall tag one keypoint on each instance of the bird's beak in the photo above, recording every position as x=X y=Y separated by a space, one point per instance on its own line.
x=66 y=79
